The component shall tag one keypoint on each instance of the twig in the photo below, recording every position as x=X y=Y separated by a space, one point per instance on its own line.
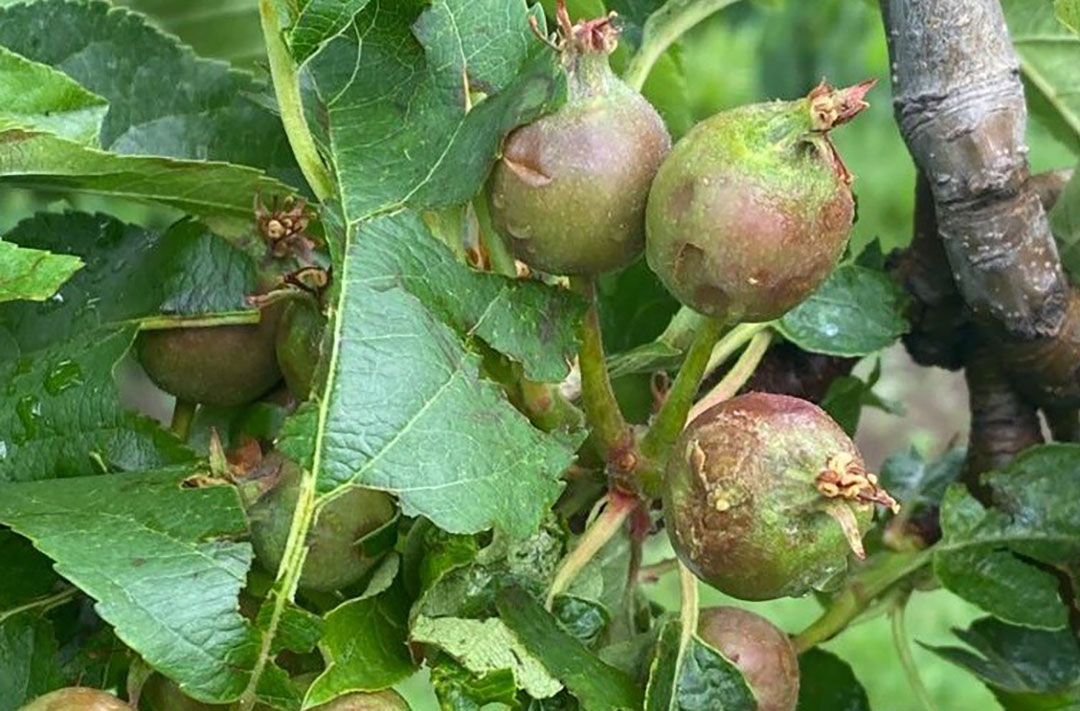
x=612 y=434
x=652 y=573
x=45 y=603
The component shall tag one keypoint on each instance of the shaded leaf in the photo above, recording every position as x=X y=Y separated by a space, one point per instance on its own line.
x=1026 y=668
x=27 y=573
x=485 y=646
x=220 y=29
x=160 y=560
x=1049 y=54
x=33 y=274
x=827 y=682
x=596 y=685
x=403 y=86
x=915 y=482
x=857 y=311
x=1065 y=224
x=28 y=660
x=364 y=646
x=634 y=307
x=163 y=100
x=459 y=690
x=36 y=96
x=849 y=394
x=701 y=679
x=985 y=555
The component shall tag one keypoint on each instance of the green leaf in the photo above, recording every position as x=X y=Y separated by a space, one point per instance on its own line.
x=33 y=274
x=827 y=682
x=459 y=690
x=397 y=376
x=984 y=555
x=701 y=679
x=634 y=307
x=1026 y=668
x=1065 y=224
x=915 y=482
x=596 y=685
x=585 y=620
x=364 y=645
x=219 y=29
x=856 y=312
x=318 y=22
x=163 y=100
x=160 y=559
x=36 y=96
x=28 y=660
x=1068 y=13
x=220 y=192
x=419 y=94
x=484 y=646
x=1049 y=54
x=532 y=323
x=27 y=573
x=461 y=581
x=849 y=394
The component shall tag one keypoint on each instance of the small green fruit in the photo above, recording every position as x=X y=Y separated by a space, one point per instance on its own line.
x=760 y=650
x=76 y=698
x=764 y=494
x=752 y=208
x=218 y=365
x=334 y=559
x=570 y=188
x=299 y=337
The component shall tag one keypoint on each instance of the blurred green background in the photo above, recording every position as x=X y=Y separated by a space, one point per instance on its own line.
x=751 y=51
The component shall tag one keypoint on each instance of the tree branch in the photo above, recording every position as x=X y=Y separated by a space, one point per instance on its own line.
x=960 y=107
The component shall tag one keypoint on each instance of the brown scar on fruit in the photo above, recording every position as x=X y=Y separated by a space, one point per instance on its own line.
x=843 y=477
x=528 y=174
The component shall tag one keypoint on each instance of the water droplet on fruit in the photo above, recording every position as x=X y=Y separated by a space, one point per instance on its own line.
x=65 y=375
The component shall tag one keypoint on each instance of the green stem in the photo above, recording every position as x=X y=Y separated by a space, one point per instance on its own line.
x=736 y=378
x=291 y=105
x=671 y=419
x=662 y=29
x=730 y=344
x=879 y=574
x=613 y=435
x=235 y=318
x=547 y=409
x=688 y=610
x=599 y=532
x=45 y=603
x=288 y=578
x=502 y=262
x=903 y=648
x=182 y=416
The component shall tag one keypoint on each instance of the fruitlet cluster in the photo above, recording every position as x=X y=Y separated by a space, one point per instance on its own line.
x=763 y=495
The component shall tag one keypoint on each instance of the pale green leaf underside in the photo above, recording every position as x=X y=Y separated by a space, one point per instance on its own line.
x=484 y=646
x=219 y=29
x=33 y=274
x=36 y=96
x=161 y=560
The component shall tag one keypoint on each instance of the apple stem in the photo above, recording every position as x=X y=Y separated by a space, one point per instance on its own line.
x=182 y=417
x=688 y=610
x=903 y=649
x=736 y=378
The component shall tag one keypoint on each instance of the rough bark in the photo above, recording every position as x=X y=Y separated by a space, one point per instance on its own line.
x=960 y=107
